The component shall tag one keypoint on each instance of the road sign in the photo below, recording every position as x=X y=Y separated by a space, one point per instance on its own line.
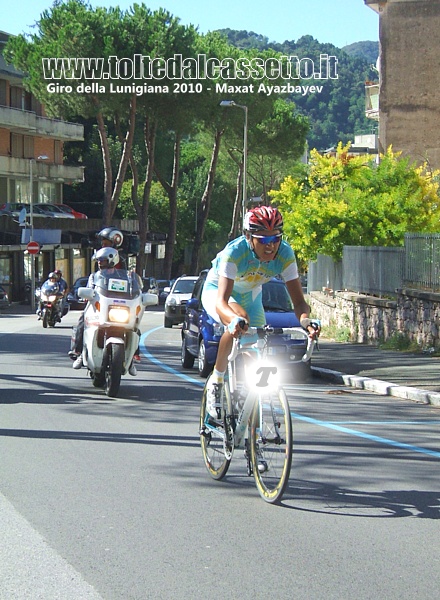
x=33 y=247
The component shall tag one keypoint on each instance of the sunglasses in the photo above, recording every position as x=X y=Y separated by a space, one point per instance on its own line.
x=268 y=239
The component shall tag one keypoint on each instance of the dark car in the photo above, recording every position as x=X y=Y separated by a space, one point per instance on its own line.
x=201 y=335
x=76 y=303
x=149 y=285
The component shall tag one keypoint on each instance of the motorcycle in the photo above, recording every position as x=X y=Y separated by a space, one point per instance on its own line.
x=50 y=306
x=112 y=317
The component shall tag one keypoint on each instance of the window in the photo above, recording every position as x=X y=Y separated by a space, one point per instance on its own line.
x=47 y=192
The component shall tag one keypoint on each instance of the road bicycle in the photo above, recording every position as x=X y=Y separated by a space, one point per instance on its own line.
x=255 y=414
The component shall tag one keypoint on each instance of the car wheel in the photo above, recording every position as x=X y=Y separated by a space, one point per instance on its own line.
x=204 y=367
x=167 y=323
x=186 y=358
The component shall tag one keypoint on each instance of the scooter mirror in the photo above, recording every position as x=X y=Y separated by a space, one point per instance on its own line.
x=86 y=293
x=149 y=299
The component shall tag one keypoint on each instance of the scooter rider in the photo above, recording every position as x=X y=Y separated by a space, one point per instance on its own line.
x=54 y=279
x=110 y=237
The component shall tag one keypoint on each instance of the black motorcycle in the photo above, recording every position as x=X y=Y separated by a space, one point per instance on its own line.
x=50 y=309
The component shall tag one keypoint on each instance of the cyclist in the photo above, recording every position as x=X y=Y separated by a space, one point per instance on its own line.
x=232 y=292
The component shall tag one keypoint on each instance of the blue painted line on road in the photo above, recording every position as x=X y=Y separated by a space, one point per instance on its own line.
x=367 y=436
x=162 y=365
x=328 y=425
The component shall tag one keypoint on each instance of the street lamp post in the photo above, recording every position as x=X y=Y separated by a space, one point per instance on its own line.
x=245 y=152
x=31 y=221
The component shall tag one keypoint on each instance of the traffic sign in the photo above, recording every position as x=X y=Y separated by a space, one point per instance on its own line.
x=33 y=247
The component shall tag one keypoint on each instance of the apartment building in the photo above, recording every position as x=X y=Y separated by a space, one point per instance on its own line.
x=406 y=98
x=32 y=169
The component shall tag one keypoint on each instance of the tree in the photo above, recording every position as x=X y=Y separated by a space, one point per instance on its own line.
x=344 y=200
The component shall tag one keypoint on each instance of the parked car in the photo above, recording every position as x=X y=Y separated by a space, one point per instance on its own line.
x=201 y=335
x=4 y=300
x=71 y=211
x=16 y=208
x=150 y=285
x=74 y=301
x=175 y=304
x=52 y=210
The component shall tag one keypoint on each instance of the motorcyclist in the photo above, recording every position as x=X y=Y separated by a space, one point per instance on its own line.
x=63 y=287
x=110 y=237
x=53 y=279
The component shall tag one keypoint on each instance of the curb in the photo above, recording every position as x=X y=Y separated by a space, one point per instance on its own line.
x=384 y=388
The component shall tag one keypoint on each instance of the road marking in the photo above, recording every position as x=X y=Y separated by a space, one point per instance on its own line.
x=367 y=436
x=328 y=425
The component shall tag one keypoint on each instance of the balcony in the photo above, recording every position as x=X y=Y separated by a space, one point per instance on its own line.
x=29 y=123
x=372 y=100
x=20 y=167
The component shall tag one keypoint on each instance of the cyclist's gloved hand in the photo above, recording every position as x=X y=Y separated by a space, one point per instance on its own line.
x=313 y=326
x=237 y=326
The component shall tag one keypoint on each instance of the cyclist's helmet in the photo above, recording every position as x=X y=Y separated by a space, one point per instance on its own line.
x=263 y=218
x=107 y=257
x=113 y=235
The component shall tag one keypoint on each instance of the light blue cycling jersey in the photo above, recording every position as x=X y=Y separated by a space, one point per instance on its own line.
x=237 y=261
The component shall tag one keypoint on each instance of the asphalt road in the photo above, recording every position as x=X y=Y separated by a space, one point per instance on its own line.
x=110 y=499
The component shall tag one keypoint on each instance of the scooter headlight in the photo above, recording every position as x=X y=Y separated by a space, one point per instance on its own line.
x=52 y=298
x=119 y=314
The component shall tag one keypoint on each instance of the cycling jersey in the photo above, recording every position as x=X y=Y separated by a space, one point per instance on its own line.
x=237 y=261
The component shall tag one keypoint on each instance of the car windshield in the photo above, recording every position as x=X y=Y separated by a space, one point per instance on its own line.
x=118 y=283
x=276 y=297
x=183 y=286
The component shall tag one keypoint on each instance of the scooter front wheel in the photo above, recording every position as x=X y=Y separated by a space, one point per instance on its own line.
x=114 y=369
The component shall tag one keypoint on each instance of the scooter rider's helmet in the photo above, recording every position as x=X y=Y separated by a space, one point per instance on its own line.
x=113 y=235
x=263 y=218
x=107 y=257
x=58 y=273
x=53 y=276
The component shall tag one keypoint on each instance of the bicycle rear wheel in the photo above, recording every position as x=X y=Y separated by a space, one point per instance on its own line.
x=271 y=441
x=212 y=440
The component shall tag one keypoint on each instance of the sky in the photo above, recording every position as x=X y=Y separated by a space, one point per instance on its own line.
x=339 y=22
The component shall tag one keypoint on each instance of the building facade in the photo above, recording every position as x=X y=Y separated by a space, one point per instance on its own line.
x=409 y=78
x=31 y=171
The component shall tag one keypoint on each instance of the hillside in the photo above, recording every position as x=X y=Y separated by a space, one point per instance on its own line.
x=337 y=113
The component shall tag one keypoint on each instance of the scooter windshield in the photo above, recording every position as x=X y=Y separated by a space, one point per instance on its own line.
x=117 y=283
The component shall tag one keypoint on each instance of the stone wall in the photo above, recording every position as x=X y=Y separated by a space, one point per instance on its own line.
x=371 y=320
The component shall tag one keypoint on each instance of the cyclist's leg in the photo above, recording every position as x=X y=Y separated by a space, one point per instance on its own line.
x=215 y=439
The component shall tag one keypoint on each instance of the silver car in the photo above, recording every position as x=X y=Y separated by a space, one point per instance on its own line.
x=175 y=304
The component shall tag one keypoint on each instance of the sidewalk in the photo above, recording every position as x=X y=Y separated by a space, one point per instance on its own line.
x=401 y=374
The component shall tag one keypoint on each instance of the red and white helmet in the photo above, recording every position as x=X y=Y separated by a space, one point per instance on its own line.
x=263 y=218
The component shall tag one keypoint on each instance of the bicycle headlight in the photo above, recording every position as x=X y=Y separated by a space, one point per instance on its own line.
x=262 y=376
x=119 y=314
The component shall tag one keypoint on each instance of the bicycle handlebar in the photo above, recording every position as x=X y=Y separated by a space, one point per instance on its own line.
x=266 y=331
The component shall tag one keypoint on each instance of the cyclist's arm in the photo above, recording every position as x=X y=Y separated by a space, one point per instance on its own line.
x=301 y=308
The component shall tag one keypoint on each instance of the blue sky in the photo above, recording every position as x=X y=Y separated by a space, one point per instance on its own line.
x=339 y=22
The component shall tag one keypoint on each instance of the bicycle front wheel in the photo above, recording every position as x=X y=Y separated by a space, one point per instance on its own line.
x=271 y=442
x=212 y=440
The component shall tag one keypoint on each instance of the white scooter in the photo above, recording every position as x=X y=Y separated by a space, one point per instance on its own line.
x=112 y=317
